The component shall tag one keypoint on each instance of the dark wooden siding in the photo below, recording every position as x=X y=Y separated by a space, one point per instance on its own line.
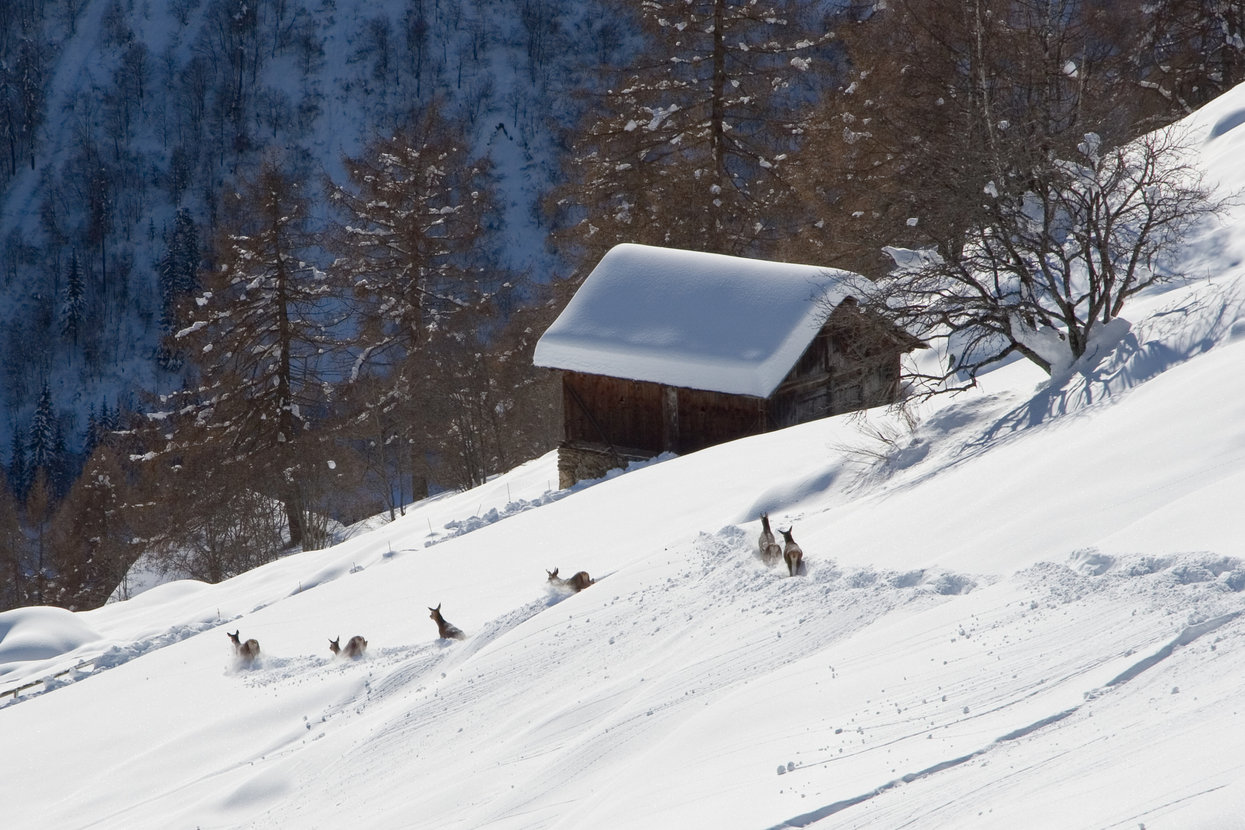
x=624 y=414
x=709 y=418
x=630 y=415
x=853 y=363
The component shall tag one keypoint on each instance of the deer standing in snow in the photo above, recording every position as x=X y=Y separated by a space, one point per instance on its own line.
x=791 y=551
x=246 y=652
x=445 y=629
x=354 y=649
x=576 y=583
x=770 y=551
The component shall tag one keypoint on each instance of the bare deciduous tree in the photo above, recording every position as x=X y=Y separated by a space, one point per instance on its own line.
x=1046 y=266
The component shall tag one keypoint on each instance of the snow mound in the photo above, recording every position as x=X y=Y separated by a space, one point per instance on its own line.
x=39 y=633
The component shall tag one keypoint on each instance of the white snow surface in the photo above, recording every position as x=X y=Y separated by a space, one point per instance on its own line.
x=1025 y=613
x=692 y=320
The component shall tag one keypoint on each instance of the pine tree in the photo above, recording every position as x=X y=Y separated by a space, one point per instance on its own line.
x=42 y=440
x=178 y=273
x=73 y=310
x=687 y=147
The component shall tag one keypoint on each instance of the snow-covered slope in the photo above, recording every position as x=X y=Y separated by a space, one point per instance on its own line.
x=1024 y=613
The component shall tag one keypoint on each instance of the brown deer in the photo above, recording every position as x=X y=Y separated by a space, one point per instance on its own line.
x=355 y=647
x=247 y=652
x=576 y=583
x=445 y=629
x=791 y=551
x=770 y=551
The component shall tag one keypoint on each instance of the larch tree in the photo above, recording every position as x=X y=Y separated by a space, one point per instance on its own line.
x=1183 y=53
x=943 y=97
x=13 y=587
x=91 y=540
x=687 y=147
x=19 y=465
x=412 y=252
x=258 y=337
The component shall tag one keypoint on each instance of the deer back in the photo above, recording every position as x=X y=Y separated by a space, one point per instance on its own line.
x=792 y=553
x=246 y=651
x=445 y=629
x=767 y=535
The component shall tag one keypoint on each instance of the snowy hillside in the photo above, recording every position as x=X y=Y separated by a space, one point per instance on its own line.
x=144 y=112
x=1024 y=613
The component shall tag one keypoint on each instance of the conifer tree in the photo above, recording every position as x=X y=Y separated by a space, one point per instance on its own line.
x=73 y=310
x=414 y=214
x=42 y=440
x=178 y=273
x=39 y=509
x=1183 y=53
x=687 y=147
x=13 y=586
x=19 y=467
x=412 y=250
x=259 y=331
x=91 y=540
x=942 y=98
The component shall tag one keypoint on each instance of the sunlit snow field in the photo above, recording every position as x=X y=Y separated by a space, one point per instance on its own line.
x=1026 y=612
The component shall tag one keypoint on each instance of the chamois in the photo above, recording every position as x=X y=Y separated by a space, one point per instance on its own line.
x=445 y=629
x=791 y=551
x=770 y=551
x=246 y=652
x=576 y=583
x=355 y=647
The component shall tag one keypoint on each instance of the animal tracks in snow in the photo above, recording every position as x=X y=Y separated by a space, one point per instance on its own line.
x=1092 y=629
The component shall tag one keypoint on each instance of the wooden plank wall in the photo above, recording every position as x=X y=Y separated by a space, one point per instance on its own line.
x=612 y=411
x=851 y=364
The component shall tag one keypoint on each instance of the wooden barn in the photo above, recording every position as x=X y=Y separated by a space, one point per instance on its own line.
x=664 y=350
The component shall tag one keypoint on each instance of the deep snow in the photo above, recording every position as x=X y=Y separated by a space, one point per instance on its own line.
x=1025 y=612
x=643 y=313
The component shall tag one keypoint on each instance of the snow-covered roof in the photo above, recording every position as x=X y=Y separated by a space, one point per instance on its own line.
x=693 y=320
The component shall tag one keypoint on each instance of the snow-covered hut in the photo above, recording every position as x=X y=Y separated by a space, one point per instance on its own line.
x=668 y=350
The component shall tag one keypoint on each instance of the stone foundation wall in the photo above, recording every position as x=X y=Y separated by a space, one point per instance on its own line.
x=581 y=462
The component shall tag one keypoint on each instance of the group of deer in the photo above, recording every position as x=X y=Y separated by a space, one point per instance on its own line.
x=446 y=630
x=248 y=652
x=790 y=552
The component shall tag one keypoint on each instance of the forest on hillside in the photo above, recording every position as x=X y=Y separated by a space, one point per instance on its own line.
x=268 y=267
